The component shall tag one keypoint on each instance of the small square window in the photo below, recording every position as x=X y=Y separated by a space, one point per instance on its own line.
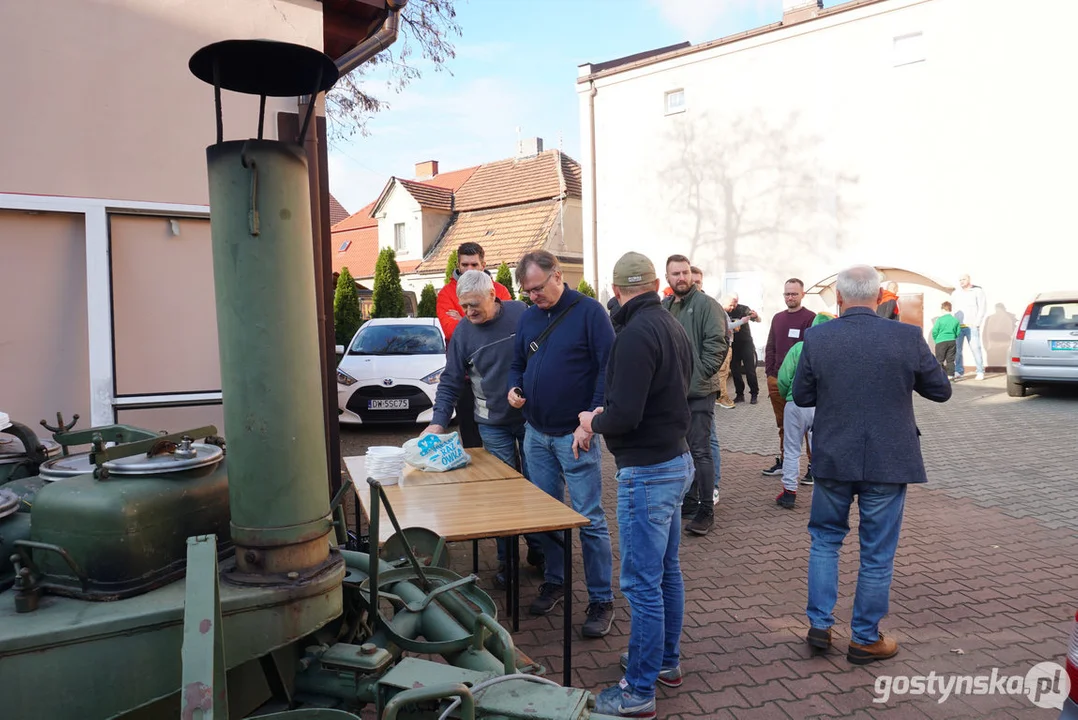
x=399 y=239
x=674 y=101
x=908 y=49
x=344 y=246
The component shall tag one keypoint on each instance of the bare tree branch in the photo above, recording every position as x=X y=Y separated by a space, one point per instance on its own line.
x=427 y=30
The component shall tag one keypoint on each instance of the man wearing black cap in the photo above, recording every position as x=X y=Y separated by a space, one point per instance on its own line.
x=644 y=420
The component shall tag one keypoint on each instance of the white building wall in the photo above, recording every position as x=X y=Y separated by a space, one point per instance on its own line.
x=813 y=147
x=401 y=207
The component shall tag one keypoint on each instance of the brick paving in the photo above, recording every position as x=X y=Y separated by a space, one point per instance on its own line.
x=985 y=575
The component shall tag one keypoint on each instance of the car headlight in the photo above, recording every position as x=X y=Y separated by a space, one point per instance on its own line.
x=345 y=379
x=434 y=377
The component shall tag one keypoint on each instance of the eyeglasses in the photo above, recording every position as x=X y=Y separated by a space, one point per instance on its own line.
x=538 y=288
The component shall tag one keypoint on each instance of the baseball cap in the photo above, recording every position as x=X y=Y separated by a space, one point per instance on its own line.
x=633 y=269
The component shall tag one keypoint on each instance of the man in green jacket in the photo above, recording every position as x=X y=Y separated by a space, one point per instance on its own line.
x=797 y=421
x=704 y=323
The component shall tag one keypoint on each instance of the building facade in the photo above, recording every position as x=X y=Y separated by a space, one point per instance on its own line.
x=104 y=223
x=925 y=135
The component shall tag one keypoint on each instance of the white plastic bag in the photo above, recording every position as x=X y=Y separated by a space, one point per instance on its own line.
x=436 y=453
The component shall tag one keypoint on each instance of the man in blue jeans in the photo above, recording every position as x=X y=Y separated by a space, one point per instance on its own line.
x=644 y=421
x=560 y=354
x=860 y=372
x=481 y=352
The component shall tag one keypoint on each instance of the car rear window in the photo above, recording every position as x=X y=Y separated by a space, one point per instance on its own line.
x=398 y=340
x=1060 y=315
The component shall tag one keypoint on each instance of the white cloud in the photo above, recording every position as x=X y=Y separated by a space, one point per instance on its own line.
x=702 y=20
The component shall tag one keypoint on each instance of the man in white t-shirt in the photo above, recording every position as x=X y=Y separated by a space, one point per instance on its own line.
x=971 y=308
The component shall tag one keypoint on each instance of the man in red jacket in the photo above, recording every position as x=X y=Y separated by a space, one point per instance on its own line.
x=470 y=256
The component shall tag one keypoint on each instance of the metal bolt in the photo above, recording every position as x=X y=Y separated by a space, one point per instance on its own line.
x=251 y=556
x=293 y=575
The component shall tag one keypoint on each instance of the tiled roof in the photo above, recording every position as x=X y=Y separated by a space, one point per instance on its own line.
x=520 y=180
x=429 y=196
x=505 y=233
x=361 y=253
x=451 y=180
x=336 y=211
x=360 y=219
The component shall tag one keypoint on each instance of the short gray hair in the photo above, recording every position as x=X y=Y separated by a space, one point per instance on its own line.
x=474 y=281
x=860 y=283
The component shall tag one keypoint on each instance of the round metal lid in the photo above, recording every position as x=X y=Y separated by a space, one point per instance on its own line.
x=13 y=450
x=184 y=458
x=265 y=67
x=66 y=467
x=9 y=503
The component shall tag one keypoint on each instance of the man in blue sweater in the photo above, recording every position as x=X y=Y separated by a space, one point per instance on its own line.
x=558 y=368
x=479 y=355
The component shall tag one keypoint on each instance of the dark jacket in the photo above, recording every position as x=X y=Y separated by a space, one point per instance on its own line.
x=646 y=414
x=481 y=355
x=705 y=324
x=860 y=372
x=566 y=376
x=743 y=336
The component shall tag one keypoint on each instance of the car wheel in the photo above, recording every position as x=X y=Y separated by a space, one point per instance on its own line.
x=1015 y=388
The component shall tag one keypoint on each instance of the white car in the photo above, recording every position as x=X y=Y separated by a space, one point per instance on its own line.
x=390 y=371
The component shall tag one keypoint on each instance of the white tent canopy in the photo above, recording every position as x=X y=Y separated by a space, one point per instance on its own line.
x=826 y=287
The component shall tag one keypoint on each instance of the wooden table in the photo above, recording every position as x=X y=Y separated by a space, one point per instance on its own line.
x=482 y=468
x=469 y=508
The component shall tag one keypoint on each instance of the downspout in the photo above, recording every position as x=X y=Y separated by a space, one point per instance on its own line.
x=382 y=39
x=385 y=36
x=594 y=183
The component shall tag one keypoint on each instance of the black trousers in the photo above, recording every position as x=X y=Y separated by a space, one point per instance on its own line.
x=699 y=439
x=744 y=363
x=945 y=354
x=466 y=424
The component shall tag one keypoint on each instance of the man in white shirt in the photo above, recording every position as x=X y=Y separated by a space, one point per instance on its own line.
x=971 y=308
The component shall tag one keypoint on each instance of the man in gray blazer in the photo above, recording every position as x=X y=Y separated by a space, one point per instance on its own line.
x=860 y=372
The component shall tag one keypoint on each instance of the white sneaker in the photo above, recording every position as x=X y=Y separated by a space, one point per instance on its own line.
x=980 y=376
x=715 y=497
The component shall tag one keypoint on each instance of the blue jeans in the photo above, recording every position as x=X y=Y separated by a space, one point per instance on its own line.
x=880 y=506
x=551 y=466
x=649 y=507
x=973 y=335
x=506 y=442
x=715 y=455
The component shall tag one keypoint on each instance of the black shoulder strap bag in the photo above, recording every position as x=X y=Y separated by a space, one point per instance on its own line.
x=533 y=347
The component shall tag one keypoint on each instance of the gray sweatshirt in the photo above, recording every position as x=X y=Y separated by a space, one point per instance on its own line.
x=483 y=353
x=970 y=306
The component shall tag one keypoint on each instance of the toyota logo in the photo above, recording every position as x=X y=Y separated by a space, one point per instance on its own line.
x=387 y=382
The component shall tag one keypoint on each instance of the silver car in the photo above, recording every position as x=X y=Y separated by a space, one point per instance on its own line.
x=1045 y=347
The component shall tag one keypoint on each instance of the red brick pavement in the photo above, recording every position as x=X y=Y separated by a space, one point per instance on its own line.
x=974 y=589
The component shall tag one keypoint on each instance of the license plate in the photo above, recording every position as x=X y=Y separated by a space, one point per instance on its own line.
x=1065 y=344
x=387 y=404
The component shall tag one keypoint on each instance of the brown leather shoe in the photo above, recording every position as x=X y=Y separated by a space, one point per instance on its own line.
x=882 y=649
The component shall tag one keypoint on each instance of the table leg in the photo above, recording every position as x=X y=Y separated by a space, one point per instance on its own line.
x=475 y=557
x=514 y=551
x=510 y=561
x=567 y=640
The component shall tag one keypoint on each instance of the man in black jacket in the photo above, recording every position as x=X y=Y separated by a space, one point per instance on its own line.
x=644 y=420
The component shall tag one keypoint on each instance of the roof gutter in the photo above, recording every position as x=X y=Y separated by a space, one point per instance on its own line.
x=592 y=90
x=376 y=43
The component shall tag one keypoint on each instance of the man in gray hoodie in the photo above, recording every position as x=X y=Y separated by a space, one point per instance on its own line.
x=481 y=352
x=970 y=308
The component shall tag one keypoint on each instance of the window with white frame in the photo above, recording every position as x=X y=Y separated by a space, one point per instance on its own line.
x=400 y=240
x=674 y=101
x=908 y=49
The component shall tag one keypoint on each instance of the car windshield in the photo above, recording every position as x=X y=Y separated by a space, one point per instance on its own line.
x=398 y=340
x=1060 y=315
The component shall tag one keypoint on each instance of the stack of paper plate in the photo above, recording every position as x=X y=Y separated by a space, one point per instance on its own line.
x=385 y=464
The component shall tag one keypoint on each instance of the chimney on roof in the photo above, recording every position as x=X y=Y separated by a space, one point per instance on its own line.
x=529 y=147
x=795 y=11
x=426 y=170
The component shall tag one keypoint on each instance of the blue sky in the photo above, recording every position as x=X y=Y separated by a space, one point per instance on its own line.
x=516 y=66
